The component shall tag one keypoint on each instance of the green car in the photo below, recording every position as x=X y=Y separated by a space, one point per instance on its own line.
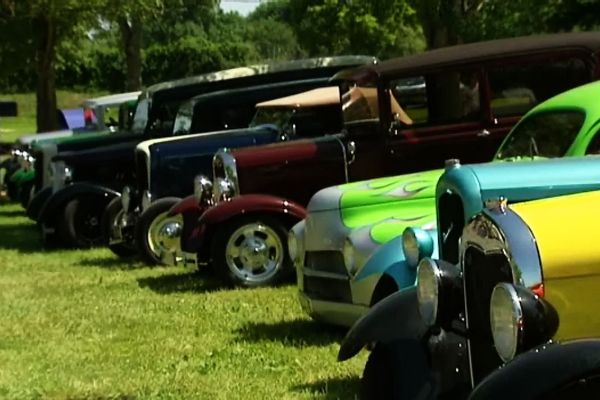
x=102 y=115
x=348 y=251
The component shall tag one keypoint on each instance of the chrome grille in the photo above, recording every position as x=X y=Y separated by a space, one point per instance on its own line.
x=326 y=261
x=481 y=273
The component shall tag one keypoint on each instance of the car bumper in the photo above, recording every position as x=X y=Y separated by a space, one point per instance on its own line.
x=179 y=257
x=122 y=231
x=330 y=312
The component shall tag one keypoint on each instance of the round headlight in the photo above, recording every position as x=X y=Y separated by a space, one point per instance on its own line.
x=292 y=245
x=126 y=198
x=416 y=244
x=506 y=318
x=428 y=284
x=225 y=189
x=203 y=189
x=348 y=252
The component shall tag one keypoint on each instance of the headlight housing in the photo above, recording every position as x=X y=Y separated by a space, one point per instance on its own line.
x=60 y=174
x=203 y=190
x=416 y=244
x=439 y=291
x=520 y=320
x=293 y=245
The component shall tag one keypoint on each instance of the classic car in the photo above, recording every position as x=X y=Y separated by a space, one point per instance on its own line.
x=520 y=282
x=71 y=214
x=99 y=115
x=472 y=102
x=343 y=259
x=165 y=168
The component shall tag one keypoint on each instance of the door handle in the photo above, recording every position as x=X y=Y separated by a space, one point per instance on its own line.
x=483 y=133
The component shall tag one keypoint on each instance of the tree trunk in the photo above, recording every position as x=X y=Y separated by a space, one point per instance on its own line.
x=441 y=21
x=131 y=40
x=44 y=32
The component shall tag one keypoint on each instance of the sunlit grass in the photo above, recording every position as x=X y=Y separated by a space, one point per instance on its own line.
x=85 y=325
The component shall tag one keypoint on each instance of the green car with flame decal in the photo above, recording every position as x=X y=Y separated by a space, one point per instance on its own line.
x=357 y=217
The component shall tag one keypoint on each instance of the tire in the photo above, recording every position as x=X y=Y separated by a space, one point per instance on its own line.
x=150 y=236
x=234 y=243
x=112 y=215
x=397 y=370
x=79 y=225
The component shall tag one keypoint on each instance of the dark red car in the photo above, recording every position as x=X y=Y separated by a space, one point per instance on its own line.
x=400 y=115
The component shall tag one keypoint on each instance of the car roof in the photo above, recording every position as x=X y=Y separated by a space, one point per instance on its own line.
x=585 y=96
x=118 y=98
x=316 y=97
x=262 y=69
x=474 y=52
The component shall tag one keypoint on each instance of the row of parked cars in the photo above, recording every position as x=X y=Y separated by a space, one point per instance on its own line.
x=445 y=273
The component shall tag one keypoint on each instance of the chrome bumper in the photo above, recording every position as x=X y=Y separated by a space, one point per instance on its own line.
x=179 y=257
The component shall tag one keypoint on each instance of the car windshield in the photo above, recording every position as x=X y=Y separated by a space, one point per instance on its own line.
x=272 y=115
x=140 y=118
x=543 y=135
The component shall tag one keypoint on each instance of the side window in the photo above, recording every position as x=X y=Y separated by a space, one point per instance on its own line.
x=517 y=87
x=445 y=97
x=594 y=145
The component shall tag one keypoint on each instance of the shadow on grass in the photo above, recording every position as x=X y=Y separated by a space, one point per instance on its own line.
x=193 y=281
x=115 y=263
x=11 y=213
x=20 y=237
x=297 y=333
x=330 y=389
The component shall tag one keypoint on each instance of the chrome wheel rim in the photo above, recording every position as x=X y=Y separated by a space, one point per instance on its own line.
x=254 y=253
x=164 y=234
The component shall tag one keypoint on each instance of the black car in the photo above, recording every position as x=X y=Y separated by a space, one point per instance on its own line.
x=100 y=167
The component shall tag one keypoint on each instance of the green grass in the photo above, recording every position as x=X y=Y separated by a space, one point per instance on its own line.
x=13 y=127
x=85 y=325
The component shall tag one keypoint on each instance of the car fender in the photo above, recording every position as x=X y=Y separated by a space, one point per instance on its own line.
x=541 y=371
x=37 y=202
x=185 y=206
x=395 y=317
x=58 y=199
x=252 y=203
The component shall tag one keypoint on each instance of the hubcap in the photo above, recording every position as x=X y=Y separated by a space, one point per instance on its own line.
x=254 y=253
x=164 y=234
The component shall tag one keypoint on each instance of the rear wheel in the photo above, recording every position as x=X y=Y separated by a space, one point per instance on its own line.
x=251 y=251
x=113 y=215
x=156 y=232
x=80 y=223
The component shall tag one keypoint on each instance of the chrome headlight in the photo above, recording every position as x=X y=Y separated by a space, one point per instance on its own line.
x=126 y=198
x=520 y=320
x=439 y=291
x=506 y=318
x=203 y=190
x=349 y=256
x=60 y=174
x=224 y=190
x=146 y=200
x=428 y=283
x=416 y=244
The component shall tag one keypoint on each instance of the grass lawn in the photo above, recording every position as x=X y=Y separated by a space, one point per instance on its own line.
x=85 y=325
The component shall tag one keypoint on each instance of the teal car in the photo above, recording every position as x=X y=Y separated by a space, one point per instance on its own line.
x=349 y=252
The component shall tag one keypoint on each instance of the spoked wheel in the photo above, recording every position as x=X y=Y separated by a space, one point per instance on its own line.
x=157 y=233
x=112 y=220
x=80 y=223
x=251 y=252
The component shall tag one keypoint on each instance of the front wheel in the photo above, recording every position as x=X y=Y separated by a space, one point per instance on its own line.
x=80 y=223
x=112 y=217
x=157 y=233
x=251 y=251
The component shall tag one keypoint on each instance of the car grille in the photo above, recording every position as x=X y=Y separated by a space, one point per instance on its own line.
x=141 y=171
x=327 y=289
x=481 y=273
x=326 y=261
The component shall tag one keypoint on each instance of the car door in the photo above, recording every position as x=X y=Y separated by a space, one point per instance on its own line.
x=438 y=116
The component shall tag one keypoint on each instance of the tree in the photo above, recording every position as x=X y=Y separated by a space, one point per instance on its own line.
x=50 y=22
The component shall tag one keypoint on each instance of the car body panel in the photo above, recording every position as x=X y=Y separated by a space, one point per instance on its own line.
x=571 y=267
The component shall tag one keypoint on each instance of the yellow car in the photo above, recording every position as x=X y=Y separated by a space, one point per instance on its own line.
x=529 y=275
